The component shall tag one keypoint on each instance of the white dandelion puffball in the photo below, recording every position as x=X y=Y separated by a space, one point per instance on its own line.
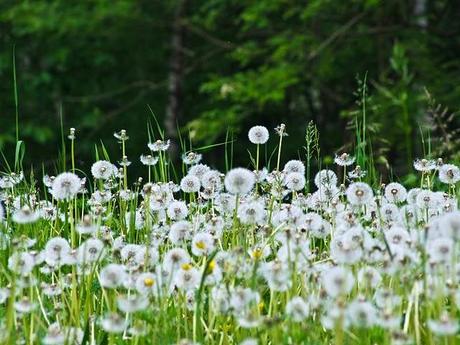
x=337 y=281
x=395 y=192
x=295 y=181
x=190 y=184
x=449 y=173
x=258 y=135
x=359 y=193
x=65 y=186
x=294 y=166
x=239 y=181
x=103 y=170
x=325 y=178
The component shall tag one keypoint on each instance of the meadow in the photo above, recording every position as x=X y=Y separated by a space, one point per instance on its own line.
x=274 y=252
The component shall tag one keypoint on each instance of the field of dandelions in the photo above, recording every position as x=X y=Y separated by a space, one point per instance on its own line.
x=252 y=255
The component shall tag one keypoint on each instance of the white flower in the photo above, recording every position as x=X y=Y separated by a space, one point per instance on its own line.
x=191 y=158
x=337 y=281
x=25 y=215
x=180 y=232
x=297 y=309
x=112 y=276
x=65 y=186
x=359 y=194
x=424 y=165
x=369 y=276
x=187 y=278
x=177 y=210
x=449 y=173
x=450 y=225
x=239 y=181
x=159 y=145
x=190 y=184
x=294 y=181
x=202 y=244
x=361 y=314
x=251 y=212
x=175 y=258
x=258 y=135
x=147 y=283
x=212 y=180
x=21 y=263
x=113 y=323
x=57 y=251
x=444 y=326
x=90 y=251
x=440 y=249
x=395 y=192
x=325 y=178
x=132 y=303
x=426 y=199
x=344 y=159
x=148 y=160
x=198 y=170
x=103 y=170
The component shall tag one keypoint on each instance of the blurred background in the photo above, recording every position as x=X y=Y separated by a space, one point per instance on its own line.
x=211 y=69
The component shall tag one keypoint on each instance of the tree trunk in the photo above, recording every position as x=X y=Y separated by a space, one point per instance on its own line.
x=176 y=78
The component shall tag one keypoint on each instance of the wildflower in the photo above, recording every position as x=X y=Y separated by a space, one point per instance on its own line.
x=177 y=210
x=449 y=173
x=198 y=170
x=191 y=158
x=175 y=258
x=132 y=303
x=297 y=309
x=295 y=181
x=239 y=181
x=112 y=276
x=361 y=313
x=21 y=263
x=103 y=170
x=57 y=250
x=180 y=232
x=251 y=213
x=159 y=145
x=90 y=251
x=344 y=159
x=357 y=173
x=369 y=276
x=281 y=130
x=25 y=215
x=443 y=326
x=440 y=249
x=121 y=135
x=294 y=166
x=359 y=193
x=202 y=244
x=424 y=165
x=65 y=186
x=11 y=180
x=187 y=278
x=147 y=283
x=148 y=160
x=190 y=184
x=395 y=192
x=113 y=323
x=54 y=335
x=426 y=199
x=337 y=281
x=24 y=306
x=258 y=135
x=325 y=178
